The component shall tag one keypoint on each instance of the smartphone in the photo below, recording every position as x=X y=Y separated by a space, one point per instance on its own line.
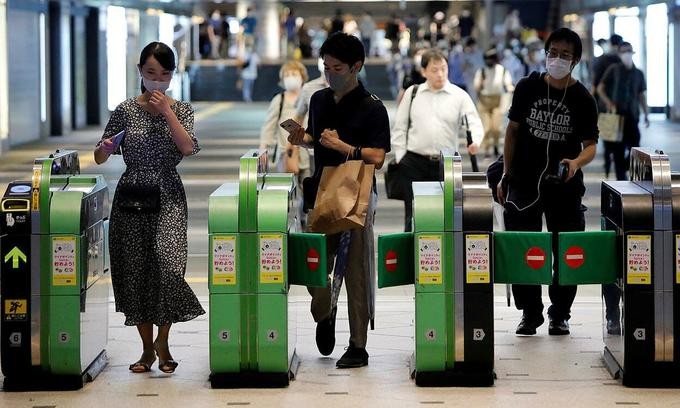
x=290 y=125
x=117 y=138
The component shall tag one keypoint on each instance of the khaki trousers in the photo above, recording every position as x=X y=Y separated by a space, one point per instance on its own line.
x=355 y=284
x=491 y=114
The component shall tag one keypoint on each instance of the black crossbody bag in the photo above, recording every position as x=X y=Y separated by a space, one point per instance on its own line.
x=142 y=195
x=395 y=184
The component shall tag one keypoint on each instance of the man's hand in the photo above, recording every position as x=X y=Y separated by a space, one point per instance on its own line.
x=331 y=140
x=473 y=148
x=297 y=136
x=573 y=167
x=646 y=121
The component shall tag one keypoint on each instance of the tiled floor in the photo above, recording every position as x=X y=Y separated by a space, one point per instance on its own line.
x=538 y=371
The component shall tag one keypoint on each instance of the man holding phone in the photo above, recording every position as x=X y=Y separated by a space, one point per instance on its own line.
x=346 y=122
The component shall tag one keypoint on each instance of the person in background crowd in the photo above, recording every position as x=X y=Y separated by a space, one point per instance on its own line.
x=367 y=28
x=456 y=74
x=428 y=122
x=149 y=209
x=414 y=75
x=345 y=121
x=622 y=90
x=553 y=123
x=492 y=83
x=249 y=65
x=600 y=66
x=215 y=34
x=472 y=62
x=249 y=25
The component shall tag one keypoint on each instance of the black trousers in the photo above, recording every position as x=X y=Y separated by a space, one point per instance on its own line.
x=415 y=167
x=561 y=205
x=619 y=152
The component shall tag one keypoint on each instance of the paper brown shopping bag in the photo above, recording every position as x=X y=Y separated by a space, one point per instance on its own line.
x=343 y=198
x=610 y=126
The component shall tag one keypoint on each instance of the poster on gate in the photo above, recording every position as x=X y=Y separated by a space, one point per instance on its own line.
x=64 y=261
x=639 y=260
x=477 y=259
x=430 y=259
x=271 y=258
x=224 y=260
x=677 y=259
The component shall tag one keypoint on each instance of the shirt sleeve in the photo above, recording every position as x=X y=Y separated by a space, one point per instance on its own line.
x=474 y=121
x=185 y=115
x=507 y=82
x=516 y=107
x=115 y=125
x=589 y=129
x=268 y=130
x=400 y=123
x=378 y=128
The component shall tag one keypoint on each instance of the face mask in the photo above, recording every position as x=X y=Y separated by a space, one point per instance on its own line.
x=557 y=67
x=292 y=83
x=155 y=85
x=337 y=82
x=627 y=59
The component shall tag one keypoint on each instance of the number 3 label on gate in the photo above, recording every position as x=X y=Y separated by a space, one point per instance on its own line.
x=430 y=259
x=224 y=260
x=271 y=258
x=639 y=260
x=64 y=261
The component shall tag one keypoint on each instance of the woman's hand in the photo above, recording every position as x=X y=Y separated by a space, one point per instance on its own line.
x=159 y=102
x=107 y=146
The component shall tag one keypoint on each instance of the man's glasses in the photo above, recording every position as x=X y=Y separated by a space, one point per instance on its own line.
x=555 y=54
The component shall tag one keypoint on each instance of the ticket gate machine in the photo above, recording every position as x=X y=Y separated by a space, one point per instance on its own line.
x=645 y=214
x=53 y=270
x=256 y=252
x=449 y=259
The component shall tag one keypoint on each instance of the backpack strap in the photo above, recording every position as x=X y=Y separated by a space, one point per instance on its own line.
x=281 y=105
x=408 y=123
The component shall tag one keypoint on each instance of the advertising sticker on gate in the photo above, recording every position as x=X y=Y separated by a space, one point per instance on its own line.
x=477 y=259
x=64 y=261
x=639 y=260
x=271 y=258
x=677 y=258
x=224 y=260
x=430 y=259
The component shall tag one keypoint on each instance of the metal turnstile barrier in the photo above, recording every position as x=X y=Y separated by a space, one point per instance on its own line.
x=256 y=252
x=54 y=291
x=644 y=213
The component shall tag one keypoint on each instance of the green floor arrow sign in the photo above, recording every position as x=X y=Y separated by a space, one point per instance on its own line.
x=15 y=255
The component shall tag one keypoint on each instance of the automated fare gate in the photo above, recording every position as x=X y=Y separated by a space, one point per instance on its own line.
x=453 y=258
x=54 y=261
x=256 y=253
x=645 y=214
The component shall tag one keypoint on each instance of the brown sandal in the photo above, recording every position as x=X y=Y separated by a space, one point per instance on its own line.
x=141 y=367
x=167 y=366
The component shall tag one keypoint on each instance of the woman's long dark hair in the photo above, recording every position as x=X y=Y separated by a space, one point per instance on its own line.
x=162 y=53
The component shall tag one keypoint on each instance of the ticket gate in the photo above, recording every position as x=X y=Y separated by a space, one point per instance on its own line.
x=645 y=215
x=53 y=276
x=449 y=259
x=256 y=252
x=453 y=257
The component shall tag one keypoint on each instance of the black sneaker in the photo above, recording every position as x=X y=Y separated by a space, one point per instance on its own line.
x=558 y=327
x=614 y=327
x=325 y=334
x=527 y=326
x=354 y=357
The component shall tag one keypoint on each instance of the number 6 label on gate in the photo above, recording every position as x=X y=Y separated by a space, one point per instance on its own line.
x=430 y=259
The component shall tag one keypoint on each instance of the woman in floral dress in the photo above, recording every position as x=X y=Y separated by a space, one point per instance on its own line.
x=148 y=243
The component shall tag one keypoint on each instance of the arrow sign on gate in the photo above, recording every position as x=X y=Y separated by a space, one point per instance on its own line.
x=574 y=257
x=391 y=261
x=535 y=257
x=15 y=255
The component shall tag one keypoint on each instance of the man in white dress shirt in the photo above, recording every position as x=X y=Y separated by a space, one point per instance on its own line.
x=436 y=115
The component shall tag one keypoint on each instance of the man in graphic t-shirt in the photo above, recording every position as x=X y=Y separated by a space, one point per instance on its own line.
x=553 y=124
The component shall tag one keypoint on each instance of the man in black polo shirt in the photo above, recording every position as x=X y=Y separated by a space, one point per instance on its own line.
x=346 y=121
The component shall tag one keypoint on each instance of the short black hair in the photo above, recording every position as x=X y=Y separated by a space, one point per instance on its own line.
x=162 y=53
x=568 y=36
x=615 y=40
x=432 y=54
x=347 y=48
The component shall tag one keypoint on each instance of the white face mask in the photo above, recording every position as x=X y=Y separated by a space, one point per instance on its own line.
x=627 y=59
x=155 y=85
x=557 y=67
x=292 y=82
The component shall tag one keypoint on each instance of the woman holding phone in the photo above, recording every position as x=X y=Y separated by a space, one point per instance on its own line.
x=148 y=236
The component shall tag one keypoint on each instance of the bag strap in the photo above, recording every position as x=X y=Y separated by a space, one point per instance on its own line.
x=408 y=123
x=281 y=105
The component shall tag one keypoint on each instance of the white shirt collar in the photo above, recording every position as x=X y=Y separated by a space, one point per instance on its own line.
x=448 y=88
